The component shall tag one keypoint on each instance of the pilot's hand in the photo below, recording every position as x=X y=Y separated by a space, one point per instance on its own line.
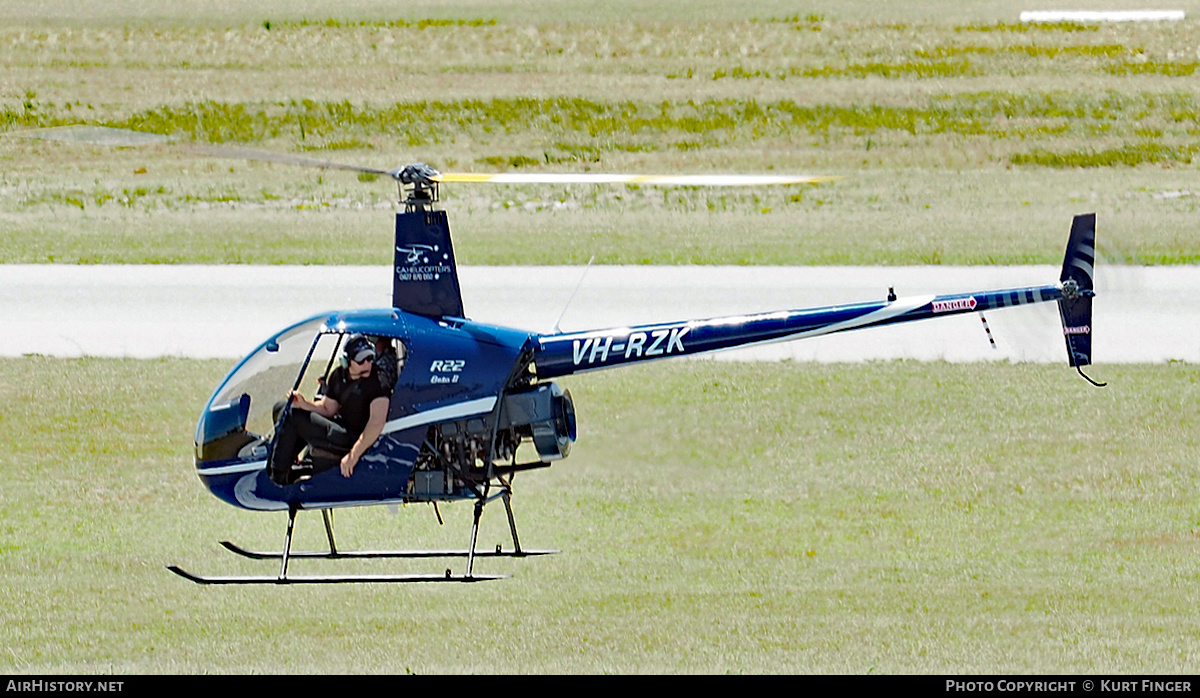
x=348 y=462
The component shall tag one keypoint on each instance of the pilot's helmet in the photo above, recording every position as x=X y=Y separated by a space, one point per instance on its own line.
x=359 y=349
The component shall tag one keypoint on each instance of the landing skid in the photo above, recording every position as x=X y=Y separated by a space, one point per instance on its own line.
x=339 y=579
x=367 y=554
x=334 y=554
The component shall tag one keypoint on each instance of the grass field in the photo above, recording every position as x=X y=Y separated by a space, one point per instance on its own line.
x=714 y=517
x=963 y=136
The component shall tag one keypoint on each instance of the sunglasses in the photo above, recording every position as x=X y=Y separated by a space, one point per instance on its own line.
x=367 y=360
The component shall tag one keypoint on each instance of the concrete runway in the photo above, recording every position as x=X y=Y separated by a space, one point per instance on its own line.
x=1142 y=314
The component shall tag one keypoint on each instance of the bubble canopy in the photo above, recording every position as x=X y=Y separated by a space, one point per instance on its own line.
x=294 y=358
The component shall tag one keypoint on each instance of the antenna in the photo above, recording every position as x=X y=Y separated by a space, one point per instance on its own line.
x=573 y=294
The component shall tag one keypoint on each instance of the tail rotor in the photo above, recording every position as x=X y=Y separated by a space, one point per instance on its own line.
x=1078 y=289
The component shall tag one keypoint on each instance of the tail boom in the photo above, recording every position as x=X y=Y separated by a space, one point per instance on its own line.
x=564 y=354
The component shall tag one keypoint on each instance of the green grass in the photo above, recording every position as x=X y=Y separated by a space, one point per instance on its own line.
x=1000 y=16
x=962 y=136
x=714 y=517
x=605 y=127
x=1130 y=155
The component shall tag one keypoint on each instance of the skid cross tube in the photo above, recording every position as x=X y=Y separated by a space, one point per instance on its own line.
x=327 y=516
x=474 y=537
x=287 y=541
x=512 y=524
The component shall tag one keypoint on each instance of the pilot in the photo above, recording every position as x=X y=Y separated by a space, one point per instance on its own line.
x=345 y=421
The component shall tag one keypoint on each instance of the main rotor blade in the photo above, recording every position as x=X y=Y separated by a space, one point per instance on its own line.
x=126 y=138
x=95 y=135
x=242 y=153
x=686 y=180
x=418 y=173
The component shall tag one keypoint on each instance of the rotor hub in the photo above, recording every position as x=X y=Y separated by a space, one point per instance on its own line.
x=418 y=185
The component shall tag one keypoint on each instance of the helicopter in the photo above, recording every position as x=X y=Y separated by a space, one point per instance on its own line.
x=472 y=404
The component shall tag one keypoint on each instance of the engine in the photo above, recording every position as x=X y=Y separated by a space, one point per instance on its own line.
x=458 y=451
x=545 y=414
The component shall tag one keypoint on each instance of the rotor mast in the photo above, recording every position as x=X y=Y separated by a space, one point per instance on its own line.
x=418 y=185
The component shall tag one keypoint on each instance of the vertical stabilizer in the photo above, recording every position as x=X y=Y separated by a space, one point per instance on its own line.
x=1075 y=306
x=425 y=277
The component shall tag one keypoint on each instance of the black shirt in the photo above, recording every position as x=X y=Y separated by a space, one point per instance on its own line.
x=354 y=398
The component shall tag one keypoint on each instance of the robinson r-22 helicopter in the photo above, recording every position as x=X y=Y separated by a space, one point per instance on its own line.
x=472 y=403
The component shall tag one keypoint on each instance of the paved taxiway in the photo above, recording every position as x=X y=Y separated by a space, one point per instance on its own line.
x=1142 y=314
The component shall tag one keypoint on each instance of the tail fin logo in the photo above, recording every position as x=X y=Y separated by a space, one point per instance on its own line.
x=416 y=252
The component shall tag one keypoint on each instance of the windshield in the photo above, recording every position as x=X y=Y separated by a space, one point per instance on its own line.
x=268 y=374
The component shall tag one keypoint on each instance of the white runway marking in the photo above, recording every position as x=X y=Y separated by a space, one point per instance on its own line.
x=1103 y=16
x=1142 y=314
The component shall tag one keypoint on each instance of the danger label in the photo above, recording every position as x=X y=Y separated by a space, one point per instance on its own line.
x=956 y=304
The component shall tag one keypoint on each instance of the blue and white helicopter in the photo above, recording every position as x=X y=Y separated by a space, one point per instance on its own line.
x=472 y=403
